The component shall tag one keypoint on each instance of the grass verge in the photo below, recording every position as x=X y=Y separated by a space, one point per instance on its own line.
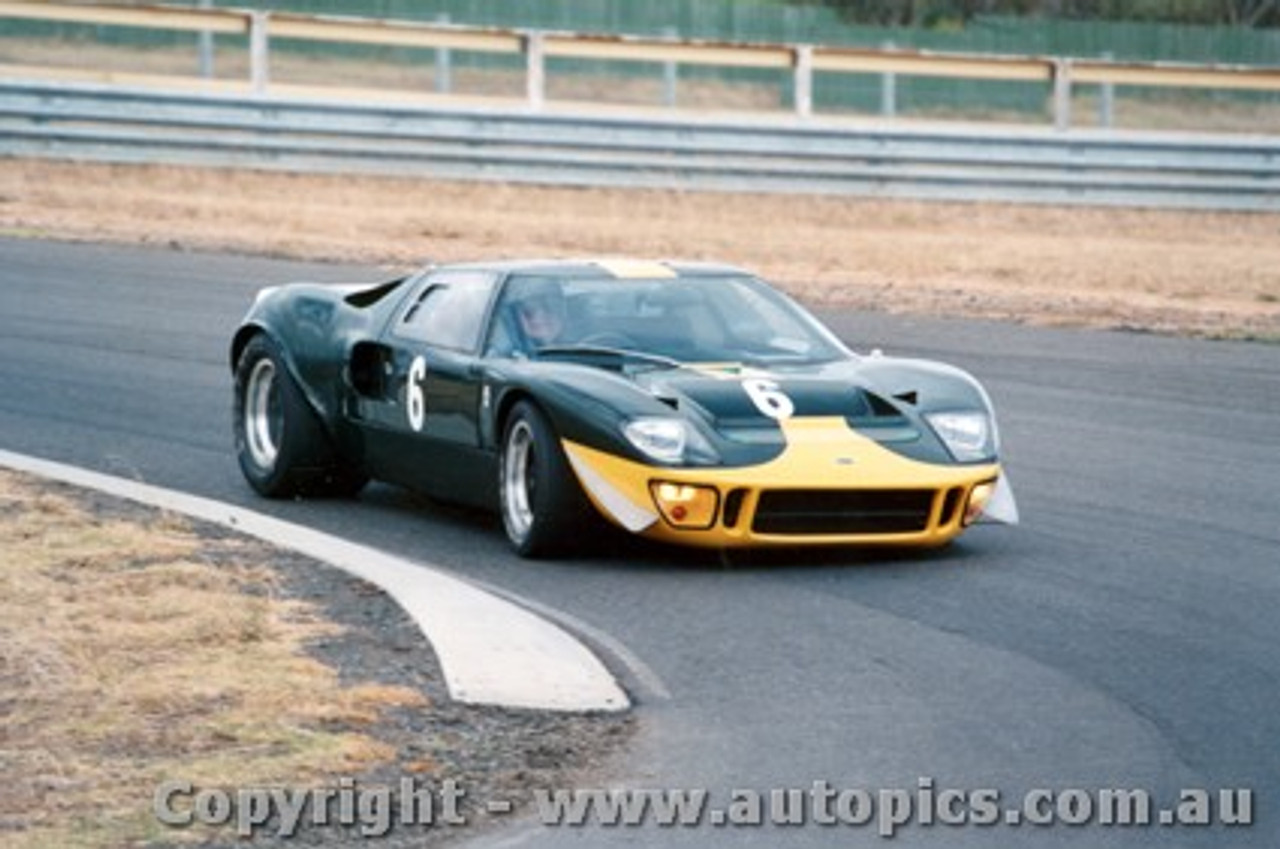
x=131 y=652
x=137 y=648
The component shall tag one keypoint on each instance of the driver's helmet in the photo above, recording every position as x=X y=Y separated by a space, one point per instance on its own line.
x=538 y=310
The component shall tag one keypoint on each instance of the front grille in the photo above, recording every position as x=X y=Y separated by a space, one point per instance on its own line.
x=842 y=511
x=950 y=506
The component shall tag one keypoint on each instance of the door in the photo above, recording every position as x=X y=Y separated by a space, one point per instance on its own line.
x=420 y=418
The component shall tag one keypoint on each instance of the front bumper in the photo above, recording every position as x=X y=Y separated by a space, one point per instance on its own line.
x=831 y=486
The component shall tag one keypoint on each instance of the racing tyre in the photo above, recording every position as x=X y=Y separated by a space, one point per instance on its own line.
x=282 y=448
x=541 y=504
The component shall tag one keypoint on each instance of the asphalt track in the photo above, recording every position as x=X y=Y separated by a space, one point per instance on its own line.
x=1125 y=636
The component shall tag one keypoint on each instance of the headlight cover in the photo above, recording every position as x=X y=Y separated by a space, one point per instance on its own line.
x=969 y=435
x=669 y=440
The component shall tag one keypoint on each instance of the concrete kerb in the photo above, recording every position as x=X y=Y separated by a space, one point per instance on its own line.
x=491 y=650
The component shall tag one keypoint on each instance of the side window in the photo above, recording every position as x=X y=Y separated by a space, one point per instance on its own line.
x=449 y=312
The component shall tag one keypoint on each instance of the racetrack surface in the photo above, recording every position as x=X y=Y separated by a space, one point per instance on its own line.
x=1124 y=636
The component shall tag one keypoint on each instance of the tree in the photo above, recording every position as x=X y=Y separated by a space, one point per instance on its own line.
x=928 y=13
x=1253 y=13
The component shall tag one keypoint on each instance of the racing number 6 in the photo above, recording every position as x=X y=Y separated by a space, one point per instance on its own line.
x=769 y=398
x=415 y=402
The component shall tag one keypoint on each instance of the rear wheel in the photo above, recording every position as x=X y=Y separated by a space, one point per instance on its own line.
x=282 y=448
x=538 y=495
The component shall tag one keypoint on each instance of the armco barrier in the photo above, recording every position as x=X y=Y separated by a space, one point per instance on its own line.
x=778 y=154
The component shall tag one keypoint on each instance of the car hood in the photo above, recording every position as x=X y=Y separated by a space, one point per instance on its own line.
x=749 y=406
x=743 y=411
x=726 y=395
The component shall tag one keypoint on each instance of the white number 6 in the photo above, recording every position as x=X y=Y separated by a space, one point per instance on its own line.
x=416 y=403
x=768 y=398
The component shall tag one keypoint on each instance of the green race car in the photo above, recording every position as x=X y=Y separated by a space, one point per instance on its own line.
x=684 y=402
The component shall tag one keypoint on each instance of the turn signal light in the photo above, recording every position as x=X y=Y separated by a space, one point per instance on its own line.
x=978 y=498
x=686 y=505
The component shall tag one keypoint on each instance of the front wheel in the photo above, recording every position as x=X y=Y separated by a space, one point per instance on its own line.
x=537 y=492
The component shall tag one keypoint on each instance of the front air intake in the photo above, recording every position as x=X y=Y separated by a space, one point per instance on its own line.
x=857 y=511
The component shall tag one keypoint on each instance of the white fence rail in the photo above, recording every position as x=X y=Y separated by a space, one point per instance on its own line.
x=802 y=61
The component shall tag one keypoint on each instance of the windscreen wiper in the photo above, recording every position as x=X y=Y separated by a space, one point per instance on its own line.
x=621 y=354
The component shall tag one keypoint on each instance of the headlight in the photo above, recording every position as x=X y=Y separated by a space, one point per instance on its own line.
x=969 y=436
x=668 y=440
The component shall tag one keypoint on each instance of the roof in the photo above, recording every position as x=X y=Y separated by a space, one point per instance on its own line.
x=621 y=267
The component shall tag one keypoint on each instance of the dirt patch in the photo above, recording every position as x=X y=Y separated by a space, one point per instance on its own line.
x=1200 y=273
x=138 y=648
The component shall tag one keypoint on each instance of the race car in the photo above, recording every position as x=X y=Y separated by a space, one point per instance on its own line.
x=685 y=402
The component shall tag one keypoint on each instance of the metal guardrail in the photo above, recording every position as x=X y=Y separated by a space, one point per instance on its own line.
x=114 y=123
x=803 y=60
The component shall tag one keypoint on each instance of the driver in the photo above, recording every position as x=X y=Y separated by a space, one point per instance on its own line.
x=541 y=312
x=533 y=317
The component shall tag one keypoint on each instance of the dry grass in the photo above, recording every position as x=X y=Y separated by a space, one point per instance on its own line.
x=1215 y=274
x=127 y=659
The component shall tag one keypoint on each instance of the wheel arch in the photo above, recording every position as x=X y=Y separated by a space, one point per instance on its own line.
x=559 y=503
x=502 y=410
x=934 y=385
x=556 y=408
x=241 y=341
x=246 y=334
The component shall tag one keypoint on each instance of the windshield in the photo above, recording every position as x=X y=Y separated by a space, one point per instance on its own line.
x=705 y=319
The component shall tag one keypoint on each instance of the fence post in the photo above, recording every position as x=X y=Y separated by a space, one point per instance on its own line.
x=259 y=51
x=1107 y=98
x=535 y=70
x=802 y=65
x=670 y=71
x=1061 y=94
x=888 y=88
x=206 y=46
x=444 y=63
